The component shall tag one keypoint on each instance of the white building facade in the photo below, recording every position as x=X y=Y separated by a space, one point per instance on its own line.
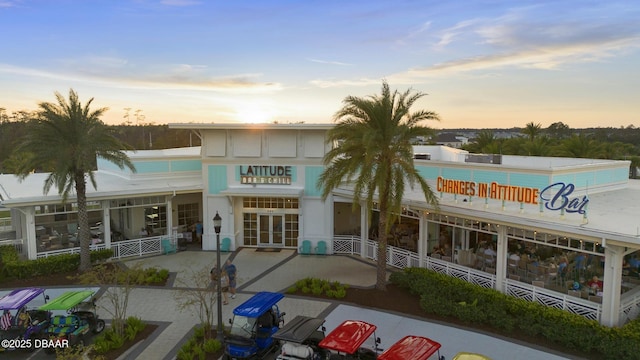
x=263 y=181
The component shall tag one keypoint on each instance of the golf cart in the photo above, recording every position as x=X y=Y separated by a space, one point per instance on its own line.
x=412 y=347
x=252 y=328
x=347 y=339
x=18 y=322
x=299 y=339
x=81 y=318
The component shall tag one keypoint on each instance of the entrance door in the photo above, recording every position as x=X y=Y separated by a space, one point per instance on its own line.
x=270 y=229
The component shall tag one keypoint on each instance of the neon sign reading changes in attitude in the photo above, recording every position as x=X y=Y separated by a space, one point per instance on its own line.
x=554 y=197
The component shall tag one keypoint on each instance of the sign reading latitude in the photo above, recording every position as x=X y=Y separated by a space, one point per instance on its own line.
x=265 y=174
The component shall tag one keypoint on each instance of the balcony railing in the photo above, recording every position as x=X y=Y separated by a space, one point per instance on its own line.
x=401 y=258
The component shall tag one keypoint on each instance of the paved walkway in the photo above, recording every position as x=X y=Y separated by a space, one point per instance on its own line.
x=276 y=271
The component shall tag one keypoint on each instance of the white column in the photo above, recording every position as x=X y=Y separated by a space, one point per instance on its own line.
x=106 y=223
x=30 y=236
x=612 y=282
x=169 y=216
x=422 y=239
x=501 y=258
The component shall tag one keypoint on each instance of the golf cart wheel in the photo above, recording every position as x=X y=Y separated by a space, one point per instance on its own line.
x=99 y=326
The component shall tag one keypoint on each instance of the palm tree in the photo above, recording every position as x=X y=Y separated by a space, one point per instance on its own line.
x=373 y=153
x=580 y=146
x=65 y=139
x=532 y=130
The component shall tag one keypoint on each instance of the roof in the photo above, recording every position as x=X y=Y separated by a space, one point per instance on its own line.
x=67 y=300
x=411 y=347
x=110 y=186
x=190 y=151
x=348 y=336
x=258 y=304
x=243 y=126
x=19 y=298
x=298 y=329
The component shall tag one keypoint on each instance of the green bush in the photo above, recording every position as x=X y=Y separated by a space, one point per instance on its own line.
x=212 y=345
x=17 y=269
x=197 y=346
x=318 y=287
x=451 y=297
x=110 y=339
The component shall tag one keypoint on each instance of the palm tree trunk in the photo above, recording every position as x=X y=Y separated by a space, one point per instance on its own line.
x=381 y=269
x=84 y=233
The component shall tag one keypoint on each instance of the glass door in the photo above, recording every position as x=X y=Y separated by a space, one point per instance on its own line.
x=270 y=229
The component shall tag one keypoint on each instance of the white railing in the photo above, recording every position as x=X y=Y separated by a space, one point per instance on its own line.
x=629 y=306
x=17 y=244
x=5 y=224
x=121 y=249
x=401 y=258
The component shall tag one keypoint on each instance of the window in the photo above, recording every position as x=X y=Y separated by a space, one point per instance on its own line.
x=188 y=214
x=250 y=229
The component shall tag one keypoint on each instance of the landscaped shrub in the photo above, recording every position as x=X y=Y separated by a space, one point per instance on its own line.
x=110 y=339
x=197 y=347
x=23 y=269
x=319 y=287
x=451 y=297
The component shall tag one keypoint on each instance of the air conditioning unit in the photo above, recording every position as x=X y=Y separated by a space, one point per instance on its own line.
x=484 y=158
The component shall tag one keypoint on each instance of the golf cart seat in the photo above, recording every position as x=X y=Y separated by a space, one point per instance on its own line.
x=61 y=324
x=296 y=351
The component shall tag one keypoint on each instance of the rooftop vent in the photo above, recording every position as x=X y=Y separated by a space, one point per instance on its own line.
x=484 y=158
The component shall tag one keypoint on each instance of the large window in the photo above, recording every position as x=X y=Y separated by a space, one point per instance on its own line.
x=57 y=225
x=188 y=214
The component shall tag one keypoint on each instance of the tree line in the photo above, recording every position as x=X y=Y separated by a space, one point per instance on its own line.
x=558 y=140
x=144 y=136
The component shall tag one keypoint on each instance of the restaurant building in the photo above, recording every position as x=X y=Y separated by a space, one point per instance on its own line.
x=537 y=228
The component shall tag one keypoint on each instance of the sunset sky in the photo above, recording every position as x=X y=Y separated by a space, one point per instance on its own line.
x=483 y=63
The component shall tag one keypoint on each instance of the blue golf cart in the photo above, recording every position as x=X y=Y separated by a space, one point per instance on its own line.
x=252 y=328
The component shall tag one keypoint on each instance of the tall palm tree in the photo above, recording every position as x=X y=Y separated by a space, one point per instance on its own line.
x=532 y=130
x=373 y=153
x=65 y=139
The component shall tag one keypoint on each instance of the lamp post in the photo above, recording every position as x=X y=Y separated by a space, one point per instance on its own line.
x=217 y=224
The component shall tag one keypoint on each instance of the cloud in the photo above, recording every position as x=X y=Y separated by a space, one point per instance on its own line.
x=177 y=80
x=7 y=3
x=330 y=62
x=344 y=83
x=180 y=2
x=547 y=57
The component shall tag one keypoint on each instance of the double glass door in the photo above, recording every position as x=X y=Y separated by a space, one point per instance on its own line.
x=270 y=229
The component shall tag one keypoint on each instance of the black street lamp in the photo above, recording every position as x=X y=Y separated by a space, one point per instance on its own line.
x=217 y=224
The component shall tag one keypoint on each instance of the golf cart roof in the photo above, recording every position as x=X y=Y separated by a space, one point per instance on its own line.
x=411 y=347
x=258 y=304
x=299 y=329
x=348 y=336
x=19 y=298
x=68 y=300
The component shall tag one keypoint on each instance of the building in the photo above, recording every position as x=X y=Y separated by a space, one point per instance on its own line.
x=262 y=180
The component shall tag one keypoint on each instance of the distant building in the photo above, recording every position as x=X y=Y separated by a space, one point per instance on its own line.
x=451 y=140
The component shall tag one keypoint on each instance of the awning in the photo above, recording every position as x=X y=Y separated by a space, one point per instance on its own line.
x=263 y=191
